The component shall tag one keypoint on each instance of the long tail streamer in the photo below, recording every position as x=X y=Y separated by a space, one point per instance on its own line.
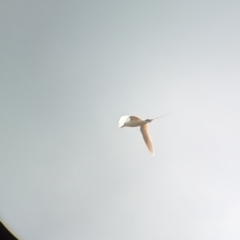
x=161 y=116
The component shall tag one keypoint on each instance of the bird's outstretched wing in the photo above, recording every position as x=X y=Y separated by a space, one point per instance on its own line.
x=147 y=138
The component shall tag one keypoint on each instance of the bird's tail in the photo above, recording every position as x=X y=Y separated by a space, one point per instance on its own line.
x=161 y=116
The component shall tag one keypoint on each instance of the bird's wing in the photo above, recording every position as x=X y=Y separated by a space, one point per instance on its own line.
x=134 y=118
x=147 y=138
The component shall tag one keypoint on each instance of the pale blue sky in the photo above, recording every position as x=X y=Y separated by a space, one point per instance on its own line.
x=70 y=70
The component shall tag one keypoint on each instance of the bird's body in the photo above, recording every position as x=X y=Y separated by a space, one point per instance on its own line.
x=134 y=121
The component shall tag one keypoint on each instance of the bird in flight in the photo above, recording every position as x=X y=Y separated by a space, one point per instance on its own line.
x=133 y=121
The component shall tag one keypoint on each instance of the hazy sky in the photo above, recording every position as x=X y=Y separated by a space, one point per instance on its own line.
x=70 y=70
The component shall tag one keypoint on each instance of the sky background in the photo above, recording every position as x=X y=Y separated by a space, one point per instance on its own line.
x=70 y=70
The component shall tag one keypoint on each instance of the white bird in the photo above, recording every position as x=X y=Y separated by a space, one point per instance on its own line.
x=133 y=121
